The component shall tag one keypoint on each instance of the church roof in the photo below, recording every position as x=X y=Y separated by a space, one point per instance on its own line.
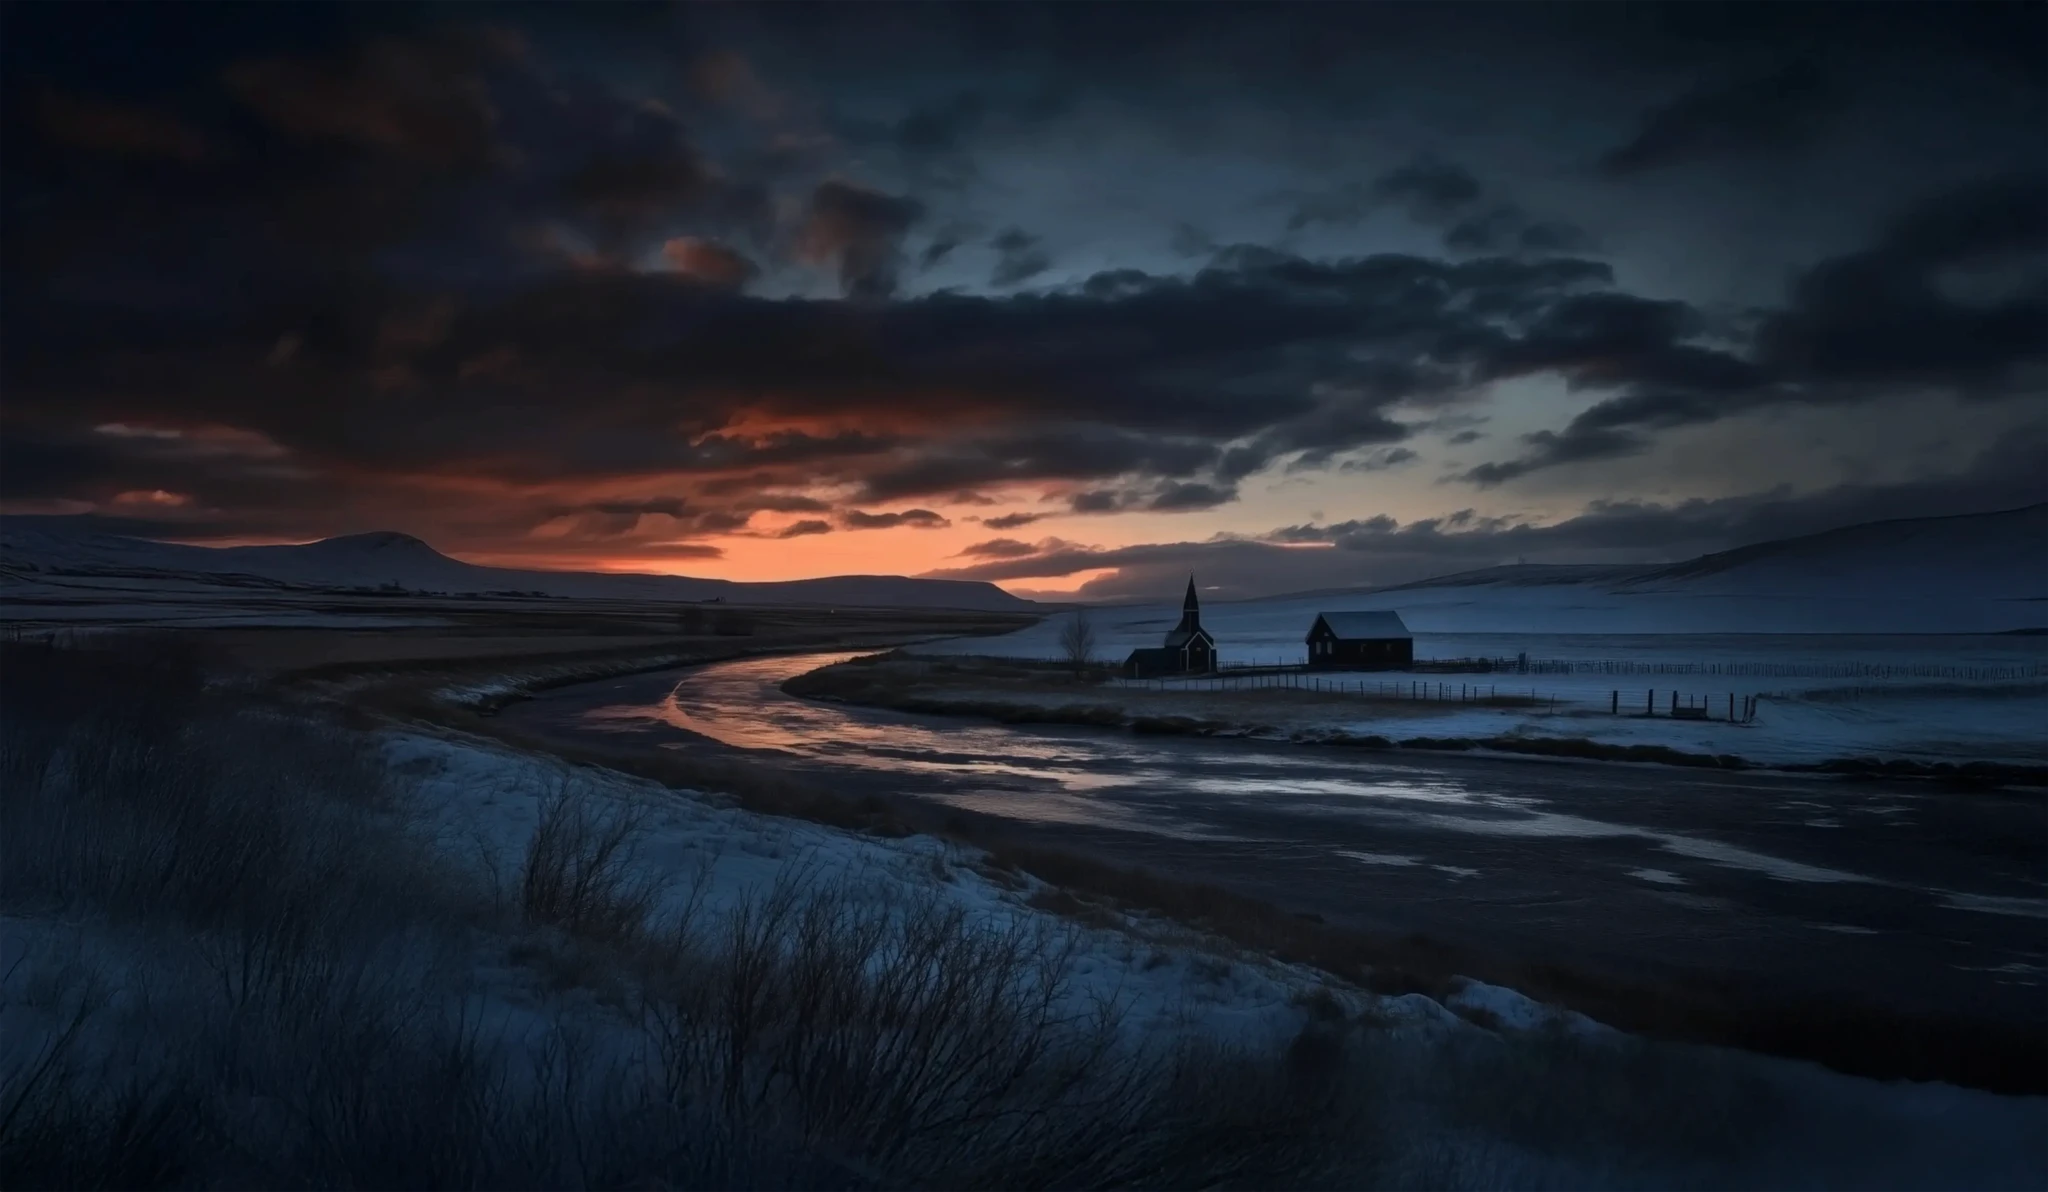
x=1376 y=626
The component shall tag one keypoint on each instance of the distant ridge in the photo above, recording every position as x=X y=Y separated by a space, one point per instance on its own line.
x=383 y=558
x=1969 y=543
x=1526 y=575
x=2001 y=554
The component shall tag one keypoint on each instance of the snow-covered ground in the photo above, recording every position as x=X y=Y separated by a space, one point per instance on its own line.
x=2001 y=725
x=482 y=803
x=1952 y=697
x=1460 y=1077
x=1497 y=623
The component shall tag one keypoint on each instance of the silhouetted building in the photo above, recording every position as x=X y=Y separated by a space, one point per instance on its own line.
x=1360 y=641
x=1188 y=650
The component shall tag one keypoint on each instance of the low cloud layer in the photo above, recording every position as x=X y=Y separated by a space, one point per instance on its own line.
x=1378 y=551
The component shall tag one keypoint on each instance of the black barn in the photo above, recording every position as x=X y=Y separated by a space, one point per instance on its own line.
x=1360 y=641
x=1188 y=650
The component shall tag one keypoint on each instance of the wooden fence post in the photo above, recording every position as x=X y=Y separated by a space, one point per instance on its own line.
x=1650 y=703
x=1616 y=709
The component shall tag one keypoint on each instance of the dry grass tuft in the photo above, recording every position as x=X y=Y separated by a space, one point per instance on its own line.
x=582 y=873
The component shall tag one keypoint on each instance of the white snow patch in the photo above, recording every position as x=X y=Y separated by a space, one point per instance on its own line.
x=1662 y=877
x=1376 y=858
x=1701 y=849
x=1516 y=1012
x=482 y=805
x=1991 y=904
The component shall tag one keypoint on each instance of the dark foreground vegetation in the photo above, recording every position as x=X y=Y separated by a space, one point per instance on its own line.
x=231 y=960
x=268 y=989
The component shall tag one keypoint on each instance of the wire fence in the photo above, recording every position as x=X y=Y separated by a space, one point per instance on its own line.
x=1790 y=669
x=1694 y=705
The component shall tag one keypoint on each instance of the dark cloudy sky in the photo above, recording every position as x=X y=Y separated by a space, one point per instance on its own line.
x=1071 y=296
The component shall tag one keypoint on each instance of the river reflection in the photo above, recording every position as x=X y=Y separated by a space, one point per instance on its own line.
x=740 y=704
x=1638 y=864
x=1124 y=782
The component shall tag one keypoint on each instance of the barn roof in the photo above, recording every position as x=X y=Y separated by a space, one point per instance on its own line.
x=1375 y=626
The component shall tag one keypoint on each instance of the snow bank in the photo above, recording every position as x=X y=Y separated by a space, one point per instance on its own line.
x=1518 y=1094
x=482 y=804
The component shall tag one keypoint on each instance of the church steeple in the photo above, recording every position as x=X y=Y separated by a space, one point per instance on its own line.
x=1190 y=610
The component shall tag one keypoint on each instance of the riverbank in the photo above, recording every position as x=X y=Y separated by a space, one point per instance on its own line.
x=432 y=686
x=501 y=655
x=450 y=963
x=730 y=729
x=1016 y=691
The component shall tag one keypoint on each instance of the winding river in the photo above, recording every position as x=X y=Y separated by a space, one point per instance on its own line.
x=1923 y=900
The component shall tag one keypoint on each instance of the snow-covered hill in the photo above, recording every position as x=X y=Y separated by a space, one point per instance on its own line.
x=31 y=554
x=1975 y=574
x=1985 y=556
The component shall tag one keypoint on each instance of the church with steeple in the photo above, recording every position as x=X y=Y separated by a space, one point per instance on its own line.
x=1188 y=650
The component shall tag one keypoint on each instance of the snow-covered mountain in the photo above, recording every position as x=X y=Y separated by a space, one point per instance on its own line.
x=30 y=552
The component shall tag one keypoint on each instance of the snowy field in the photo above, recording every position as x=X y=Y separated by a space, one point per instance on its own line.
x=1819 y=695
x=482 y=804
x=1493 y=625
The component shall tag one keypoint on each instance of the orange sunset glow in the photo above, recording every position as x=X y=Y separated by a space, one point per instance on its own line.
x=756 y=306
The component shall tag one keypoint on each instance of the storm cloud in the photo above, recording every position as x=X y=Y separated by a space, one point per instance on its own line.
x=1771 y=111
x=650 y=283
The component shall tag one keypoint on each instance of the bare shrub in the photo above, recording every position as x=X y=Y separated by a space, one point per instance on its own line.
x=581 y=872
x=926 y=1048
x=165 y=797
x=1077 y=640
x=56 y=1131
x=63 y=1123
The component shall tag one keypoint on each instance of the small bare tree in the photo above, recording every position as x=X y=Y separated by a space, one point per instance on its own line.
x=1077 y=640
